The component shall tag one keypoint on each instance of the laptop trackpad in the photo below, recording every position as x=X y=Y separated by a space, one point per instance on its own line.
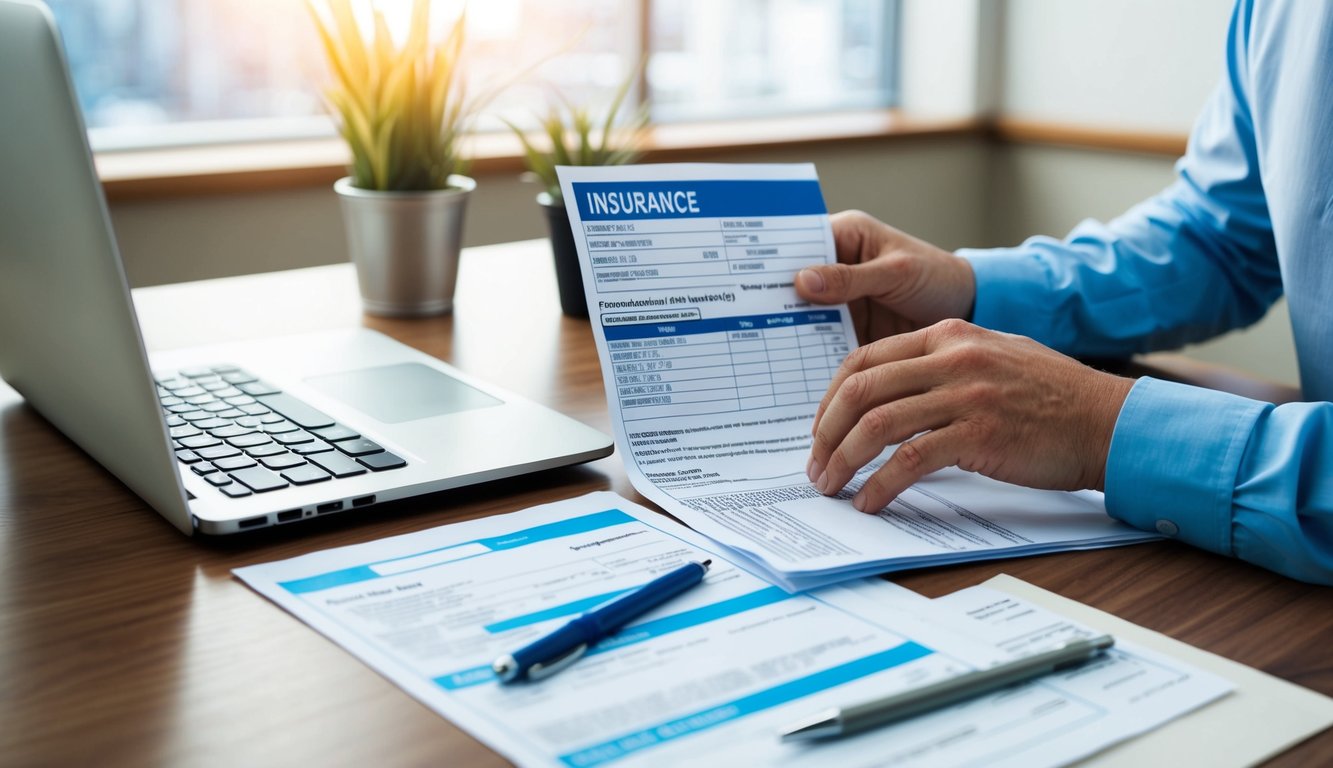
x=402 y=392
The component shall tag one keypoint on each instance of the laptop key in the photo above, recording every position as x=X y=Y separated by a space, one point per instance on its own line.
x=185 y=430
x=305 y=474
x=293 y=438
x=256 y=388
x=198 y=441
x=267 y=449
x=217 y=452
x=189 y=391
x=203 y=469
x=336 y=463
x=175 y=421
x=277 y=427
x=217 y=478
x=234 y=490
x=295 y=410
x=231 y=430
x=248 y=440
x=314 y=446
x=252 y=409
x=281 y=461
x=212 y=422
x=187 y=457
x=358 y=447
x=258 y=479
x=231 y=413
x=216 y=407
x=336 y=432
x=196 y=372
x=382 y=461
x=237 y=377
x=234 y=463
x=169 y=401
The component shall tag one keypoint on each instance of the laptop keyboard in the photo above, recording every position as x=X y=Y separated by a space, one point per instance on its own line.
x=245 y=436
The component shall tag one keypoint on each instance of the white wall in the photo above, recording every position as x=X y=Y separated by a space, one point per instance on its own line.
x=1144 y=65
x=1136 y=65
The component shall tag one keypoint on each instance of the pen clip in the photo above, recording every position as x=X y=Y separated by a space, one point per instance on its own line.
x=543 y=670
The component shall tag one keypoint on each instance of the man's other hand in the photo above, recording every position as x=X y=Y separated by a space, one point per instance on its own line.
x=956 y=394
x=893 y=282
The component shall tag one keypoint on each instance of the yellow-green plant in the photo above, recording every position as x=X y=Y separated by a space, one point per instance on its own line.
x=402 y=109
x=571 y=137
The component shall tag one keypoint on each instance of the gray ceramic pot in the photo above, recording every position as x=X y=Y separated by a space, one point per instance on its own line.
x=405 y=245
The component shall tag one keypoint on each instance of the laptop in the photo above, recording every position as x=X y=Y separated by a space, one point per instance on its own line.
x=226 y=438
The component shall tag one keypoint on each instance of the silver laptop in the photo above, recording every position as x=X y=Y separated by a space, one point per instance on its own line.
x=228 y=438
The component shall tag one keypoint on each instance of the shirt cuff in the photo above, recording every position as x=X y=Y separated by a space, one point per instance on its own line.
x=1175 y=456
x=1013 y=292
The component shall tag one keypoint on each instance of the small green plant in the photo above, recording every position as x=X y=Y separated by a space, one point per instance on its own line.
x=573 y=138
x=402 y=109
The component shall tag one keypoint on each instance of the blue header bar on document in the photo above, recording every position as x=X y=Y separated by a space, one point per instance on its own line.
x=702 y=198
x=644 y=325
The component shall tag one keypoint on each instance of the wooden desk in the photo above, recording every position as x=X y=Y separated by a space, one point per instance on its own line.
x=124 y=643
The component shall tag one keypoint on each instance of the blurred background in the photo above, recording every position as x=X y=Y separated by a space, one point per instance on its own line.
x=965 y=122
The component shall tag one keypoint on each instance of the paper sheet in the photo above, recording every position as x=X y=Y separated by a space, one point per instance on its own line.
x=714 y=368
x=708 y=679
x=1263 y=716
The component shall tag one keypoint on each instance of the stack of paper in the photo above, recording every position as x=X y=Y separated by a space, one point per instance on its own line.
x=714 y=368
x=713 y=676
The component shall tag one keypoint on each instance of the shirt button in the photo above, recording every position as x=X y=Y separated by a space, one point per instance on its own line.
x=1167 y=528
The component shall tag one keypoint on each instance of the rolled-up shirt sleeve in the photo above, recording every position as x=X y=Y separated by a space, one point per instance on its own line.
x=1227 y=474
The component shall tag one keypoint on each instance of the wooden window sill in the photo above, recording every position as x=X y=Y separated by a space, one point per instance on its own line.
x=251 y=167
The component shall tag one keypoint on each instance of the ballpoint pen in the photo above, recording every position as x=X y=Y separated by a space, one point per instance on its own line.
x=844 y=721
x=552 y=653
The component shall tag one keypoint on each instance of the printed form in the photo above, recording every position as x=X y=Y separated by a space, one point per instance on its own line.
x=707 y=679
x=714 y=368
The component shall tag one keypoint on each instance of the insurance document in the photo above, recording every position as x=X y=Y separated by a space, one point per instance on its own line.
x=707 y=679
x=714 y=368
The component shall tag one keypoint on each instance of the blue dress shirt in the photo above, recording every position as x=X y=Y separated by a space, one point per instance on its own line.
x=1250 y=218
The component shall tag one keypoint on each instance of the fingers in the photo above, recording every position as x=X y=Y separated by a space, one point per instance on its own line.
x=905 y=346
x=912 y=461
x=883 y=425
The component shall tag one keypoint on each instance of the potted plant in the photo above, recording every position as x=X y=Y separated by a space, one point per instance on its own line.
x=570 y=136
x=403 y=112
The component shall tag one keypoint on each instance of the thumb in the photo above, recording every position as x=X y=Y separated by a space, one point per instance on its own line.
x=840 y=283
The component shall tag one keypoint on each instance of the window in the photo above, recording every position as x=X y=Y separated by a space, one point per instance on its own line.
x=163 y=72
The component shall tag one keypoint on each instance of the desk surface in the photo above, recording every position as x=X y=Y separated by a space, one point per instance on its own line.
x=124 y=643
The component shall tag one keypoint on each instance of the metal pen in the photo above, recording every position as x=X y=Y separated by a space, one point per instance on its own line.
x=844 y=721
x=557 y=650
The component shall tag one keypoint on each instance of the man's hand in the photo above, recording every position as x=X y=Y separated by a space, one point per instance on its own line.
x=988 y=402
x=892 y=281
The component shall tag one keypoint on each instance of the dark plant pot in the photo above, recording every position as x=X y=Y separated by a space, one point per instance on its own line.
x=567 y=274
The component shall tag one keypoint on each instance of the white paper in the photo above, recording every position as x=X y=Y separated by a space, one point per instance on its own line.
x=708 y=679
x=714 y=367
x=1261 y=717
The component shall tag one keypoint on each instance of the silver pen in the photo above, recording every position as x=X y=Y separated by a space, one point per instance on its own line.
x=844 y=721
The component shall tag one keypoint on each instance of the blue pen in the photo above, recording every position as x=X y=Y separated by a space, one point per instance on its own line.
x=554 y=652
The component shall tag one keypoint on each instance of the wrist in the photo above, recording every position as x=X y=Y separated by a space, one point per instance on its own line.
x=1105 y=401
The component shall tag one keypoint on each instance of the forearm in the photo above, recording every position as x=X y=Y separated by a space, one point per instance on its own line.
x=1227 y=474
x=1156 y=278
